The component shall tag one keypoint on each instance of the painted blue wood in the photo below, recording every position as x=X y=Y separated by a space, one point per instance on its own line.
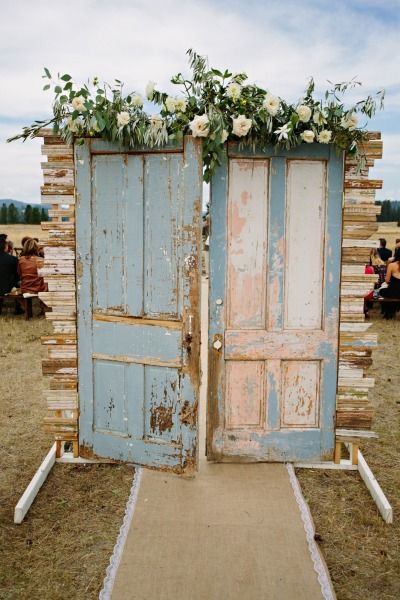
x=163 y=198
x=142 y=342
x=216 y=299
x=138 y=220
x=281 y=444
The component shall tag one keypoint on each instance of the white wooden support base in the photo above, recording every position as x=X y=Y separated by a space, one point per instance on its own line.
x=24 y=503
x=358 y=463
x=374 y=488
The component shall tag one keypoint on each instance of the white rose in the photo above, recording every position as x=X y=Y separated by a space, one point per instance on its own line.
x=350 y=122
x=200 y=126
x=241 y=125
x=304 y=113
x=156 y=121
x=234 y=90
x=271 y=104
x=123 y=118
x=308 y=136
x=180 y=105
x=324 y=137
x=170 y=104
x=78 y=103
x=319 y=118
x=224 y=135
x=137 y=101
x=150 y=90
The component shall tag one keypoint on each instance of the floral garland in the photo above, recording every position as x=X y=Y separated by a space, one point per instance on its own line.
x=216 y=106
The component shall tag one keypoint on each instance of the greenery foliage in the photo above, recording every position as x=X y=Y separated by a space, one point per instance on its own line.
x=10 y=214
x=390 y=211
x=214 y=105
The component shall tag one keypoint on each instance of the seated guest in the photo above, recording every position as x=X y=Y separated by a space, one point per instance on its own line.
x=393 y=289
x=379 y=265
x=10 y=247
x=28 y=264
x=8 y=272
x=395 y=248
x=8 y=269
x=24 y=239
x=384 y=252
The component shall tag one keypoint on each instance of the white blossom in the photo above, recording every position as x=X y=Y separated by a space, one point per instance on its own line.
x=150 y=90
x=324 y=136
x=308 y=136
x=137 y=100
x=224 y=135
x=304 y=113
x=241 y=125
x=123 y=118
x=283 y=132
x=271 y=104
x=350 y=121
x=180 y=105
x=78 y=103
x=200 y=126
x=170 y=104
x=234 y=90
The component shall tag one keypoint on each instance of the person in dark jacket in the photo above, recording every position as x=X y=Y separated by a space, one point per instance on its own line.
x=8 y=272
x=384 y=252
x=8 y=269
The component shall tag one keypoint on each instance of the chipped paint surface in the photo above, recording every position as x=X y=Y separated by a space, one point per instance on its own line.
x=139 y=231
x=274 y=387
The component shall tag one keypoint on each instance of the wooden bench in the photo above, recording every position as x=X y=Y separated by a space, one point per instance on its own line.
x=24 y=298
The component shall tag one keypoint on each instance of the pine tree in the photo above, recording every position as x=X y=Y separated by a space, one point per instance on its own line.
x=4 y=215
x=44 y=215
x=36 y=215
x=12 y=214
x=28 y=214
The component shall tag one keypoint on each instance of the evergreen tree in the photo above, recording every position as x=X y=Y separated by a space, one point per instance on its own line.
x=4 y=215
x=44 y=215
x=36 y=215
x=28 y=214
x=12 y=214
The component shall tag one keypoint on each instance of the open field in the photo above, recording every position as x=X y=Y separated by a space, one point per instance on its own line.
x=16 y=232
x=389 y=231
x=63 y=547
x=361 y=550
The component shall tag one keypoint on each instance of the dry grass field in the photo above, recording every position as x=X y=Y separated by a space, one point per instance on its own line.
x=63 y=547
x=15 y=233
x=389 y=231
x=361 y=550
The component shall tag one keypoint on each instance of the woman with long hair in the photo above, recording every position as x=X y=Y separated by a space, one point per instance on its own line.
x=28 y=265
x=389 y=309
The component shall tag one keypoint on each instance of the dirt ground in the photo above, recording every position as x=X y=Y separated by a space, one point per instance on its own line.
x=63 y=547
x=363 y=552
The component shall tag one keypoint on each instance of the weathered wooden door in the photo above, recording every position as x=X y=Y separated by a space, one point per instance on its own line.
x=275 y=249
x=138 y=244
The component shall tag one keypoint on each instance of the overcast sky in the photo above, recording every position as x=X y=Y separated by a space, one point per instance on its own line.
x=278 y=43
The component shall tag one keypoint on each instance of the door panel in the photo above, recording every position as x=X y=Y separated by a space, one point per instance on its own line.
x=275 y=250
x=138 y=242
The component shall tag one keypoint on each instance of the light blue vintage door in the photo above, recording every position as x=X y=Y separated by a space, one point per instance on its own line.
x=138 y=247
x=275 y=249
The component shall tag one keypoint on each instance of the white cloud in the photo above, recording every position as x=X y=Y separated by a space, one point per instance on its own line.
x=276 y=43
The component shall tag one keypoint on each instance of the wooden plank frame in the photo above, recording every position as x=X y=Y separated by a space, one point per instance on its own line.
x=353 y=409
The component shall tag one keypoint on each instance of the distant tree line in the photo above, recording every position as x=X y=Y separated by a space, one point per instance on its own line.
x=390 y=210
x=31 y=215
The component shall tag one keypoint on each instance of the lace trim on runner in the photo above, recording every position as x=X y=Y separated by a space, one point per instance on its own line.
x=319 y=566
x=115 y=559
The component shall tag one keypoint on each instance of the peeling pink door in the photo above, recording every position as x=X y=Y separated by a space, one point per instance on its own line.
x=275 y=250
